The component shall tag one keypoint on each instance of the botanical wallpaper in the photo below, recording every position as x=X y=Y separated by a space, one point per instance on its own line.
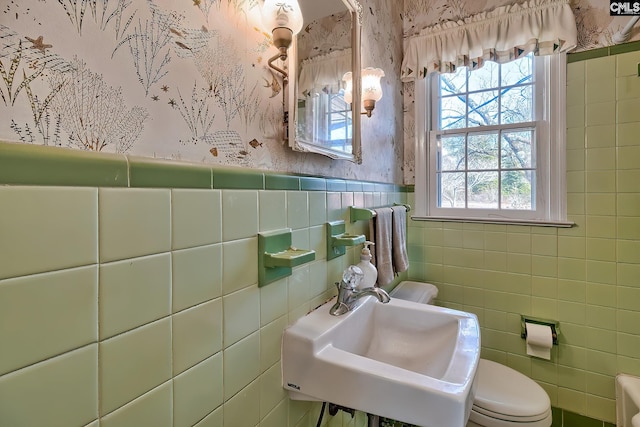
x=595 y=29
x=175 y=79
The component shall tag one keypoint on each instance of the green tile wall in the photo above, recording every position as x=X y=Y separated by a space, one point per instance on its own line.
x=162 y=271
x=587 y=277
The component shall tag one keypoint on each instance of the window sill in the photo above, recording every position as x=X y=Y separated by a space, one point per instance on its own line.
x=537 y=223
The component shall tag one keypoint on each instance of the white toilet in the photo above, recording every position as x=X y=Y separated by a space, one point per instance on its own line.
x=504 y=396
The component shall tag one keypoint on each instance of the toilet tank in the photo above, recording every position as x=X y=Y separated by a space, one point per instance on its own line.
x=627 y=401
x=420 y=292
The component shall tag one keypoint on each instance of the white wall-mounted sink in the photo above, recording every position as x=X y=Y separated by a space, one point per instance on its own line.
x=410 y=362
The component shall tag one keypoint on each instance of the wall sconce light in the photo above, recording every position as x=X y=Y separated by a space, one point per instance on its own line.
x=284 y=18
x=371 y=88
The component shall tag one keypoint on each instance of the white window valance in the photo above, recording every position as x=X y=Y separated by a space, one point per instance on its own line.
x=324 y=72
x=501 y=35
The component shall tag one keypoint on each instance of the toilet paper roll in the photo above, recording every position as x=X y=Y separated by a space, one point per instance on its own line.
x=539 y=340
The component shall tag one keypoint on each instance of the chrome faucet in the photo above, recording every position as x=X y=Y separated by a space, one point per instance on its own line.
x=348 y=294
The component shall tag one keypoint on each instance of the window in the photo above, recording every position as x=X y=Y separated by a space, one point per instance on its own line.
x=494 y=142
x=327 y=119
x=339 y=123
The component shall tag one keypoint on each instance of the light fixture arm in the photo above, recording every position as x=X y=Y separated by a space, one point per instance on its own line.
x=369 y=105
x=282 y=37
x=275 y=67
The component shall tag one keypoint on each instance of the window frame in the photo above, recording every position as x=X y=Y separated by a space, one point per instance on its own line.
x=550 y=110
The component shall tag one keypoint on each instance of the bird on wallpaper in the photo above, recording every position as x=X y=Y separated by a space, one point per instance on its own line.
x=274 y=85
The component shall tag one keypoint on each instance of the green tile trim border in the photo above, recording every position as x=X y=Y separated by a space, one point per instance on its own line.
x=564 y=418
x=281 y=182
x=561 y=418
x=27 y=164
x=238 y=179
x=603 y=51
x=147 y=173
x=336 y=185
x=313 y=184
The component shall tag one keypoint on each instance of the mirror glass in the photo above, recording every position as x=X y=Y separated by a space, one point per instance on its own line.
x=320 y=120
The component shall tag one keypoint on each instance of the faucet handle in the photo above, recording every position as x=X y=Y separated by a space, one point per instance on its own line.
x=351 y=277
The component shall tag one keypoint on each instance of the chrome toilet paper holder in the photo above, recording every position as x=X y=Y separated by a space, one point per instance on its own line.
x=553 y=324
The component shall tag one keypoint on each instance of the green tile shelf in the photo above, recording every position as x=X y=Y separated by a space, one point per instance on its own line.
x=338 y=239
x=291 y=257
x=276 y=256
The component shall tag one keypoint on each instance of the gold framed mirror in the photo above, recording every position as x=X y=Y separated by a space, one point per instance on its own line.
x=320 y=119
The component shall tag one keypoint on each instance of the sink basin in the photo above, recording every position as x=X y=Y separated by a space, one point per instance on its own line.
x=406 y=361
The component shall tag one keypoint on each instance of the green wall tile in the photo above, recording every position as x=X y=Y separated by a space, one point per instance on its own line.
x=600 y=181
x=601 y=113
x=25 y=164
x=627 y=87
x=629 y=227
x=628 y=321
x=572 y=290
x=47 y=228
x=601 y=249
x=63 y=389
x=628 y=204
x=126 y=212
x=628 y=110
x=600 y=203
x=601 y=272
x=168 y=174
x=600 y=159
x=627 y=180
x=628 y=134
x=575 y=71
x=601 y=317
x=629 y=274
x=629 y=156
x=627 y=64
x=600 y=136
x=628 y=251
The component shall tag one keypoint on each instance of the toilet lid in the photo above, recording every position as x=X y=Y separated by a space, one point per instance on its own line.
x=504 y=391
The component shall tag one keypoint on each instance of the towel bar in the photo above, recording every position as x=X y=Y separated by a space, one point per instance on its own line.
x=363 y=214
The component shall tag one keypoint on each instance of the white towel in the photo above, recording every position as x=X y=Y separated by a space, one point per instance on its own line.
x=383 y=223
x=399 y=239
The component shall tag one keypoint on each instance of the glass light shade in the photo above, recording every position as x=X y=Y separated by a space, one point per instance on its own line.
x=282 y=13
x=348 y=87
x=371 y=88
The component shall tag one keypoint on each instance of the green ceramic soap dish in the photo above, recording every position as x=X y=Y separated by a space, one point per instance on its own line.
x=276 y=256
x=338 y=239
x=291 y=257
